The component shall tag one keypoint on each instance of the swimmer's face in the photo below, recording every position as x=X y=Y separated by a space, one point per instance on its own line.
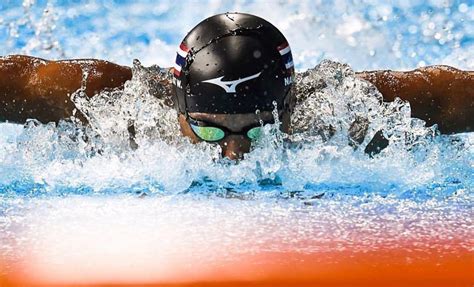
x=234 y=145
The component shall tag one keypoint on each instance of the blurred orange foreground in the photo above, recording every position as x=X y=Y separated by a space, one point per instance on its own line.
x=453 y=266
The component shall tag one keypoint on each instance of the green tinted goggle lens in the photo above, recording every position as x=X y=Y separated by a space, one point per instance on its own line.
x=212 y=134
x=254 y=133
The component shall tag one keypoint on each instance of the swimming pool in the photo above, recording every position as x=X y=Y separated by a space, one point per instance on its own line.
x=77 y=205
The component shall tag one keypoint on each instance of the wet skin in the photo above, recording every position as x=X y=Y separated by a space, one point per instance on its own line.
x=41 y=89
x=439 y=95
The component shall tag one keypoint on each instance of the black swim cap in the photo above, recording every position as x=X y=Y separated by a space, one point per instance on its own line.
x=233 y=63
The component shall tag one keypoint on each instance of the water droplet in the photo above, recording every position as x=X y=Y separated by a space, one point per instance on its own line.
x=463 y=8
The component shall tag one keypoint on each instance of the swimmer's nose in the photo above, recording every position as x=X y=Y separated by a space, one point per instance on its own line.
x=235 y=146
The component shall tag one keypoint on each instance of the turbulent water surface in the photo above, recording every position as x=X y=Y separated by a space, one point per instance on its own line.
x=67 y=185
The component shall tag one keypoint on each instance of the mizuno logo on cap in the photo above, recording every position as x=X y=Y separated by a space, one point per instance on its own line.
x=229 y=86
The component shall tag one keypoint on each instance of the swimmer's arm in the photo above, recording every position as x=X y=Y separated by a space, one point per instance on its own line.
x=40 y=89
x=438 y=94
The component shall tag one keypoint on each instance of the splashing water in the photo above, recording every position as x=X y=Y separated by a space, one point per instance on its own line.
x=107 y=189
x=330 y=100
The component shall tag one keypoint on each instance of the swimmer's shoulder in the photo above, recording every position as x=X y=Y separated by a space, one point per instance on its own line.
x=445 y=73
x=20 y=63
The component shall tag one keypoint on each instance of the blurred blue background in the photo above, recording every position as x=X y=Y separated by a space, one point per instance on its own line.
x=367 y=34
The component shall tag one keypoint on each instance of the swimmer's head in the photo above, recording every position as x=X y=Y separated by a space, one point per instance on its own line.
x=228 y=67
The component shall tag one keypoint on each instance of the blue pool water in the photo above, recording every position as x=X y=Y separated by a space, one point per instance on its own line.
x=58 y=190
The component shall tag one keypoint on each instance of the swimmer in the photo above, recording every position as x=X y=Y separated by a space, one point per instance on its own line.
x=227 y=67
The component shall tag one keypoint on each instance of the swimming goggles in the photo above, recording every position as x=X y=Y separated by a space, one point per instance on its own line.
x=212 y=133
